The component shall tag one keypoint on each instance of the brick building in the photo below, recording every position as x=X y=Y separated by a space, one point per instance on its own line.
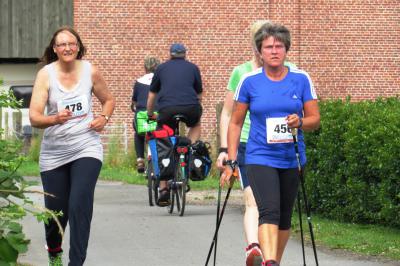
x=349 y=47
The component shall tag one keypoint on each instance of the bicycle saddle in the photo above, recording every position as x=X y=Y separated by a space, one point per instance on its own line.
x=180 y=117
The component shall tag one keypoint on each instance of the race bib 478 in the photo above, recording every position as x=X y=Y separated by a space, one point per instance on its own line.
x=78 y=106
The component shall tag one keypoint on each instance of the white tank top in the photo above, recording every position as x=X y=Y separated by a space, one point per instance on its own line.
x=63 y=143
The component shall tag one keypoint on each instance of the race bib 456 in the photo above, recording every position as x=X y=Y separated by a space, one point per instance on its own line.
x=278 y=131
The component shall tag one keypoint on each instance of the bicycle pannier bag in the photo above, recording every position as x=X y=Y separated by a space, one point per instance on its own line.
x=199 y=161
x=162 y=147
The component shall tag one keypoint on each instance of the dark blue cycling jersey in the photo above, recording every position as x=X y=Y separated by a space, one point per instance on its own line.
x=177 y=82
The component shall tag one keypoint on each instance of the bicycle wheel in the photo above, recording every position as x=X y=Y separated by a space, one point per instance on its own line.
x=172 y=189
x=150 y=182
x=181 y=191
x=156 y=184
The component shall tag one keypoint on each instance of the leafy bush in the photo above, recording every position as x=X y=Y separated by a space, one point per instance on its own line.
x=14 y=204
x=353 y=162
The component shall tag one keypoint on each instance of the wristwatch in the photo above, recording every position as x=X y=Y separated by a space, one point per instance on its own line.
x=232 y=164
x=106 y=117
x=300 y=123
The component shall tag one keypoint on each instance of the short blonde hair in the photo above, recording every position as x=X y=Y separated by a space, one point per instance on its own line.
x=255 y=27
x=151 y=63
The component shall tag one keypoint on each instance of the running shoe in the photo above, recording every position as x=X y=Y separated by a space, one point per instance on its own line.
x=140 y=165
x=253 y=255
x=55 y=260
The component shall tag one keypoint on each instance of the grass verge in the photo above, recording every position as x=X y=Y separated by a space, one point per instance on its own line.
x=368 y=240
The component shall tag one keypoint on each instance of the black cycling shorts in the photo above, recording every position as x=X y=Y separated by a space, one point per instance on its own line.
x=192 y=114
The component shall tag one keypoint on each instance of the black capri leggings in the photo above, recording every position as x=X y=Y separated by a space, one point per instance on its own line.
x=275 y=191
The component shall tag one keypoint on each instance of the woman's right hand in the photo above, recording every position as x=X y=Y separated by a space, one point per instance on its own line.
x=152 y=117
x=63 y=116
x=222 y=157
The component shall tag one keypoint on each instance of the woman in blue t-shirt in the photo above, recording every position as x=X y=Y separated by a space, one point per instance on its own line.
x=278 y=98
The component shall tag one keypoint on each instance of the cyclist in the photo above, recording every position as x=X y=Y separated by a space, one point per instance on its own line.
x=178 y=87
x=139 y=102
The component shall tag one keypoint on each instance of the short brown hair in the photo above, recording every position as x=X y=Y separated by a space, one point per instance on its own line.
x=279 y=32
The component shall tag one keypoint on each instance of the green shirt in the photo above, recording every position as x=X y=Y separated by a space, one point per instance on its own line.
x=237 y=73
x=234 y=80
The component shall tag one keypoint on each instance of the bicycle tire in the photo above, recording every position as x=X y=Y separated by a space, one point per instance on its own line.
x=181 y=190
x=178 y=203
x=182 y=195
x=150 y=182
x=171 y=206
x=156 y=184
x=176 y=193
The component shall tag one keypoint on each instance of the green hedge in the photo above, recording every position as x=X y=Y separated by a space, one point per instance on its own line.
x=353 y=171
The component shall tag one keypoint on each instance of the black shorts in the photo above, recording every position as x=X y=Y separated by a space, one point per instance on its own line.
x=191 y=112
x=275 y=191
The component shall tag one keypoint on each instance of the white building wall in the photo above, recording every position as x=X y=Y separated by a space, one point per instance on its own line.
x=16 y=74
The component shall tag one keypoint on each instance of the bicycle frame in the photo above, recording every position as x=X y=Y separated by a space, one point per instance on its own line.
x=182 y=151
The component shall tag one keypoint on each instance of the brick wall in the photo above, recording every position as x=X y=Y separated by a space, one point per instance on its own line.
x=348 y=47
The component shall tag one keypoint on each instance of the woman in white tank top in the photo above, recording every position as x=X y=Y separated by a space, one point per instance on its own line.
x=71 y=152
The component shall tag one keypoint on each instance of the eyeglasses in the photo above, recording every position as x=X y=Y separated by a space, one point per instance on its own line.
x=71 y=45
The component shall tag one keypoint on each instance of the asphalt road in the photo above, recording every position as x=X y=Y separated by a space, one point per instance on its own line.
x=127 y=231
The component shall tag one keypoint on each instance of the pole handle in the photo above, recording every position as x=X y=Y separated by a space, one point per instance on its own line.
x=294 y=132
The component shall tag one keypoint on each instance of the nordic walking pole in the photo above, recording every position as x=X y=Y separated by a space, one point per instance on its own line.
x=218 y=207
x=296 y=148
x=220 y=218
x=301 y=228
x=299 y=208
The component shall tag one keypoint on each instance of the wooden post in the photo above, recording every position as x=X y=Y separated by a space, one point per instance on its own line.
x=17 y=124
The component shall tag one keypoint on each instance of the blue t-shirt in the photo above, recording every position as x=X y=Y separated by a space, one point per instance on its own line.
x=274 y=99
x=177 y=82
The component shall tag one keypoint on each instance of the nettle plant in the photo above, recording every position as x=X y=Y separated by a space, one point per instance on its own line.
x=14 y=190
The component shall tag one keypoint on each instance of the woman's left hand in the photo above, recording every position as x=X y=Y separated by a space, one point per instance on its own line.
x=293 y=121
x=98 y=123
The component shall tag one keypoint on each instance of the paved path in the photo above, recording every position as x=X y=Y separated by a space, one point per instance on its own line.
x=126 y=231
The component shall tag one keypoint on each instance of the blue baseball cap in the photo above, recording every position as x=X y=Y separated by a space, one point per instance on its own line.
x=177 y=48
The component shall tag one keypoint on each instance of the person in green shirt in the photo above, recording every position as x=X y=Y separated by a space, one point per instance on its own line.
x=250 y=220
